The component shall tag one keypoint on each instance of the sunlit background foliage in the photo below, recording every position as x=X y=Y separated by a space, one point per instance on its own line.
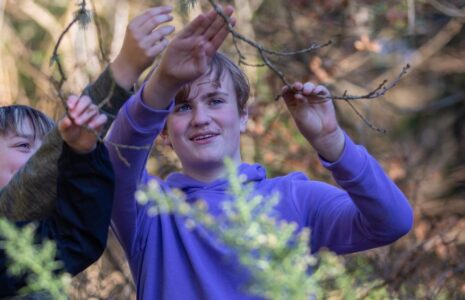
x=424 y=115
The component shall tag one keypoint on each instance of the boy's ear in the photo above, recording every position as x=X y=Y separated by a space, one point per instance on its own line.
x=243 y=119
x=166 y=139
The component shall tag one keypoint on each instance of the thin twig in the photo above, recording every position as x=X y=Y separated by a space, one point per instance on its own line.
x=59 y=84
x=99 y=33
x=108 y=97
x=380 y=130
x=56 y=59
x=261 y=49
x=381 y=90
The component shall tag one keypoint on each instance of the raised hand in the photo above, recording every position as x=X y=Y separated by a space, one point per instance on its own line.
x=187 y=57
x=144 y=40
x=313 y=111
x=84 y=122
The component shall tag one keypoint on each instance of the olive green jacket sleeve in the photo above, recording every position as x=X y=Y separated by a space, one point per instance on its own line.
x=31 y=193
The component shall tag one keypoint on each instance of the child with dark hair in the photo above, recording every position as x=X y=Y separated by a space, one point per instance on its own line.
x=60 y=176
x=80 y=217
x=199 y=96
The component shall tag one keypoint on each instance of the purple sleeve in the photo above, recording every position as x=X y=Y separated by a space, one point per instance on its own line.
x=135 y=125
x=369 y=212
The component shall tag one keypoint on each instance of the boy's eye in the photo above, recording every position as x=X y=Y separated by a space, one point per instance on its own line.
x=24 y=146
x=182 y=107
x=216 y=101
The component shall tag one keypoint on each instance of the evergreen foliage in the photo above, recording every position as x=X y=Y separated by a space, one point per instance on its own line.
x=277 y=256
x=37 y=260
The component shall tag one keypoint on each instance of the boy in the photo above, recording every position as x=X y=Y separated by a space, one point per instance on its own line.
x=69 y=192
x=201 y=96
x=78 y=223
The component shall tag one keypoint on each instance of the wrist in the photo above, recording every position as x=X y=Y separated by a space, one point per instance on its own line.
x=159 y=91
x=331 y=145
x=79 y=149
x=124 y=74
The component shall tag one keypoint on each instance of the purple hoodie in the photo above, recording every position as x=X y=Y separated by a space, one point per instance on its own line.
x=169 y=261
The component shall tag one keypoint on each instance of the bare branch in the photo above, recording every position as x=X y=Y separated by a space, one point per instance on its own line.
x=381 y=90
x=380 y=130
x=82 y=16
x=99 y=34
x=261 y=49
x=448 y=9
x=264 y=52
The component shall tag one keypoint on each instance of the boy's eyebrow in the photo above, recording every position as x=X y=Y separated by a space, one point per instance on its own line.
x=29 y=137
x=208 y=95
x=176 y=102
x=216 y=93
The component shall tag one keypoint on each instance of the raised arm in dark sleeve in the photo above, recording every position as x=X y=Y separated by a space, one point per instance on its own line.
x=80 y=222
x=105 y=89
x=31 y=194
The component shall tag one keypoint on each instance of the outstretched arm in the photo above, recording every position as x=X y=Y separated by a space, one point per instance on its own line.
x=79 y=223
x=313 y=112
x=371 y=211
x=144 y=40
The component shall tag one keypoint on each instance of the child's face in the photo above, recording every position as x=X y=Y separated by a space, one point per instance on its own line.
x=207 y=127
x=15 y=150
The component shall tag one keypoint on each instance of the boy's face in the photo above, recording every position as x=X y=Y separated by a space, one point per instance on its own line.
x=15 y=150
x=206 y=128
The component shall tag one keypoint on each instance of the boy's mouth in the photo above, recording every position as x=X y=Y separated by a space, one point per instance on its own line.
x=203 y=136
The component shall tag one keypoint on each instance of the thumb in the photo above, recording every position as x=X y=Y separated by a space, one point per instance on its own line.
x=288 y=94
x=64 y=124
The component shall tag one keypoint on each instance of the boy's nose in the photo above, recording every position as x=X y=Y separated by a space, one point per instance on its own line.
x=200 y=117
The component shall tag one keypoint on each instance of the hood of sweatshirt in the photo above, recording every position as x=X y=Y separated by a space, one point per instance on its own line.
x=254 y=173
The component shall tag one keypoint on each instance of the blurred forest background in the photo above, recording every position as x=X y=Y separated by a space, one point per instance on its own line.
x=424 y=115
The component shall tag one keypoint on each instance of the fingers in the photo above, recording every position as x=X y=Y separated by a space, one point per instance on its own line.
x=322 y=91
x=217 y=24
x=64 y=124
x=97 y=122
x=211 y=30
x=145 y=33
x=305 y=92
x=160 y=13
x=207 y=25
x=206 y=22
x=288 y=94
x=153 y=23
x=196 y=26
x=71 y=101
x=153 y=40
x=83 y=112
x=158 y=48
x=221 y=35
x=310 y=89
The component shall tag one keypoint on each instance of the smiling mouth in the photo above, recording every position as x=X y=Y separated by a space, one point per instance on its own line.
x=203 y=137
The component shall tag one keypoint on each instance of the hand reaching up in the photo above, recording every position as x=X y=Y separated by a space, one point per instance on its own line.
x=313 y=111
x=187 y=56
x=80 y=131
x=144 y=40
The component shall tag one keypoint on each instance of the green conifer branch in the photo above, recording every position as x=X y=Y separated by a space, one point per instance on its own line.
x=37 y=260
